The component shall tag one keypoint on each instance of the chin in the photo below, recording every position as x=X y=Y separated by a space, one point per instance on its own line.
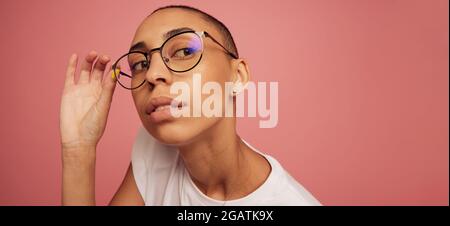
x=171 y=132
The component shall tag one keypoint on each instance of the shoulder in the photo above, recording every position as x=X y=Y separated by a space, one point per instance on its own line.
x=287 y=190
x=146 y=149
x=281 y=189
x=151 y=160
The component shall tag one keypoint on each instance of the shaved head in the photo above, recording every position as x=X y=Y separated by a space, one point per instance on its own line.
x=223 y=30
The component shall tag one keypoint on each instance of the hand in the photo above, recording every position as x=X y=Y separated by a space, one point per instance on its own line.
x=85 y=104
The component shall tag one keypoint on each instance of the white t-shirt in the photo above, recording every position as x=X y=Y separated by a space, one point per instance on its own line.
x=162 y=179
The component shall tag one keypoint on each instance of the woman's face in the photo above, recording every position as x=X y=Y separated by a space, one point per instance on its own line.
x=215 y=66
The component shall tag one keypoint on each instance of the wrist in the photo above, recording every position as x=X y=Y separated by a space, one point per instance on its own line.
x=79 y=156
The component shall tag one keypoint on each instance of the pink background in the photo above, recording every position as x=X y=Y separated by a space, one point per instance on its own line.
x=363 y=91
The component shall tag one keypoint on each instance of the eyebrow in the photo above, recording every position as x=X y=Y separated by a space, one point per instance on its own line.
x=176 y=31
x=139 y=45
x=142 y=45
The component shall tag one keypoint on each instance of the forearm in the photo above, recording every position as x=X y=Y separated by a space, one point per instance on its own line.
x=78 y=176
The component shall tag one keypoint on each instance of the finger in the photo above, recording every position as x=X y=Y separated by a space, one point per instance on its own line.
x=71 y=67
x=86 y=67
x=108 y=87
x=99 y=68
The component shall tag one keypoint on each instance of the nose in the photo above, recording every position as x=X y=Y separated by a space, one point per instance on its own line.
x=157 y=73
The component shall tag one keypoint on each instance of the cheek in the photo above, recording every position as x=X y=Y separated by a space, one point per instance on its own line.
x=218 y=72
x=214 y=67
x=139 y=101
x=185 y=129
x=219 y=75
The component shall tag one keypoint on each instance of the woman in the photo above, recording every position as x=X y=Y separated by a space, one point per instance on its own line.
x=175 y=160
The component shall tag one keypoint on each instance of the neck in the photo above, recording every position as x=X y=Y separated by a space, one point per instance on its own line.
x=221 y=165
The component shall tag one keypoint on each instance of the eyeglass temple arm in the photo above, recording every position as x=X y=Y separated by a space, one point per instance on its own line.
x=229 y=53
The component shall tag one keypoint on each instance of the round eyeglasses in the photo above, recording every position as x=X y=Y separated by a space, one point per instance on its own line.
x=180 y=53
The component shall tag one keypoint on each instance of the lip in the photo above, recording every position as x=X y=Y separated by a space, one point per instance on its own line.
x=158 y=108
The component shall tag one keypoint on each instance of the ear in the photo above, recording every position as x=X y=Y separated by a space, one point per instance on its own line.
x=241 y=74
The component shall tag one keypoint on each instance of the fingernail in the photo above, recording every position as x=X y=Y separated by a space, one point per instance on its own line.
x=114 y=73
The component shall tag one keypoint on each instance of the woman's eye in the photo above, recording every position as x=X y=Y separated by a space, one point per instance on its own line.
x=183 y=53
x=139 y=66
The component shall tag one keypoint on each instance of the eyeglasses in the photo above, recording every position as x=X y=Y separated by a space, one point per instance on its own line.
x=180 y=53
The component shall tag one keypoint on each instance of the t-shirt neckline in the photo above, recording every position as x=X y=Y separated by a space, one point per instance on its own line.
x=249 y=199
